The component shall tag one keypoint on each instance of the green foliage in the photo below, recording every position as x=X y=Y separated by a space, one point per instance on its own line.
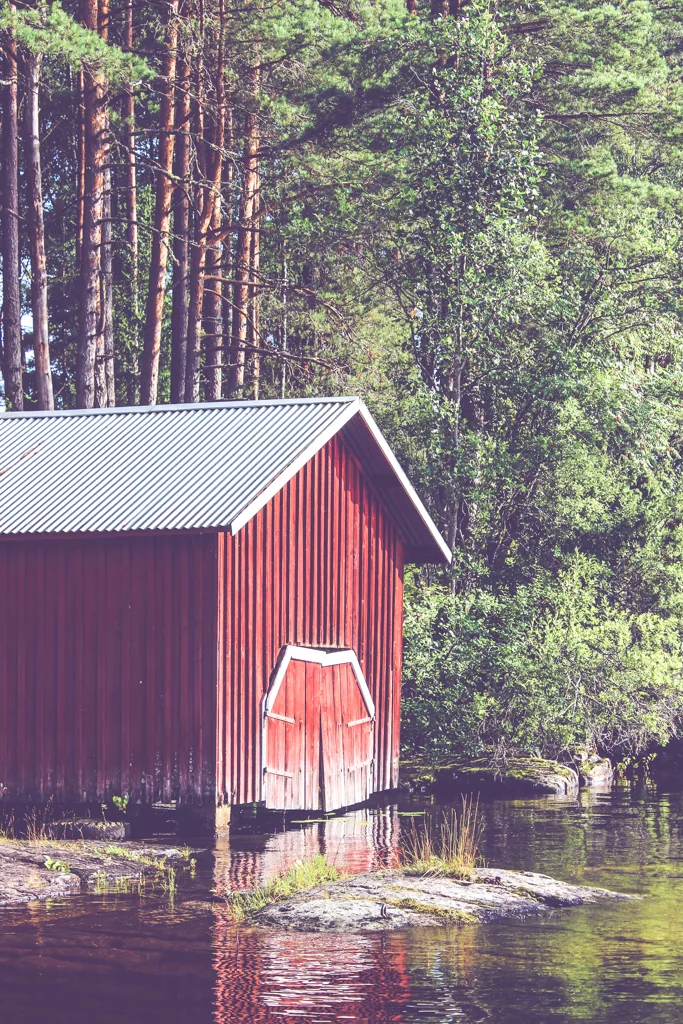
x=121 y=803
x=529 y=240
x=48 y=29
x=60 y=866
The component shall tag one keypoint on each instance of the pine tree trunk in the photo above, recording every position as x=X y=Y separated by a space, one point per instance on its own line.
x=254 y=293
x=181 y=230
x=131 y=204
x=109 y=396
x=91 y=340
x=213 y=301
x=209 y=199
x=162 y=217
x=36 y=232
x=213 y=312
x=11 y=289
x=202 y=219
x=240 y=312
x=226 y=260
x=131 y=168
x=80 y=176
x=105 y=383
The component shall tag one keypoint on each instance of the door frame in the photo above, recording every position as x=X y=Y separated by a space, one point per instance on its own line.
x=324 y=656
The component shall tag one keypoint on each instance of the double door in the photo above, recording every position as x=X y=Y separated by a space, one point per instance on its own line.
x=318 y=732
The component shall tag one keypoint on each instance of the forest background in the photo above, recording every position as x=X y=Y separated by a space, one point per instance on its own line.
x=468 y=214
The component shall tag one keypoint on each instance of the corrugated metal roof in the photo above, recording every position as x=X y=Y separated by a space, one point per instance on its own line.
x=167 y=467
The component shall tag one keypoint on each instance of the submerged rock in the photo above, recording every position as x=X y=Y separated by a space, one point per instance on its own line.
x=387 y=900
x=517 y=776
x=89 y=828
x=45 y=869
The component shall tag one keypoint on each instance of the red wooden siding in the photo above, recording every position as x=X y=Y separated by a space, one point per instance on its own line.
x=108 y=667
x=138 y=663
x=321 y=565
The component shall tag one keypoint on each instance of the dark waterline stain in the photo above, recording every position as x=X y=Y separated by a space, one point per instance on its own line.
x=142 y=958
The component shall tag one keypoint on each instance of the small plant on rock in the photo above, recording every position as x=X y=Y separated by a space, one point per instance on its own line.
x=303 y=875
x=60 y=866
x=121 y=803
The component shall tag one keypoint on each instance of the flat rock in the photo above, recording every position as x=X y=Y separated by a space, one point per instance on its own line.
x=386 y=900
x=45 y=869
x=517 y=776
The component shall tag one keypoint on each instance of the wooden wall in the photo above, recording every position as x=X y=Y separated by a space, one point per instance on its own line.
x=321 y=565
x=107 y=667
x=137 y=663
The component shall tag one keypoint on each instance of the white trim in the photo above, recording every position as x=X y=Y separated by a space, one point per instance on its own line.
x=347 y=412
x=280 y=718
x=317 y=656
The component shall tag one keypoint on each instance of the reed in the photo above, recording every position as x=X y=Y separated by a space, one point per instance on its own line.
x=448 y=846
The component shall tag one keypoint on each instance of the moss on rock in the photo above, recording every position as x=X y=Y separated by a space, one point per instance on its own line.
x=520 y=775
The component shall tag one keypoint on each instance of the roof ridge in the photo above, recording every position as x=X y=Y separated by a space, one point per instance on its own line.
x=249 y=403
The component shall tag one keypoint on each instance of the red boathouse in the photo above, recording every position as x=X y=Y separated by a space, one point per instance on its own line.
x=202 y=605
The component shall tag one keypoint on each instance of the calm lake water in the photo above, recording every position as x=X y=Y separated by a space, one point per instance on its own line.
x=141 y=958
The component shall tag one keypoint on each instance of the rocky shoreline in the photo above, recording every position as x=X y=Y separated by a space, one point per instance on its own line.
x=41 y=870
x=387 y=900
x=379 y=901
x=516 y=776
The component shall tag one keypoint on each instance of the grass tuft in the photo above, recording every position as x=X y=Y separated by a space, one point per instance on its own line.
x=303 y=875
x=447 y=847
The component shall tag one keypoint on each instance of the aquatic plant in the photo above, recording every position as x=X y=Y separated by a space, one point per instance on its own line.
x=448 y=846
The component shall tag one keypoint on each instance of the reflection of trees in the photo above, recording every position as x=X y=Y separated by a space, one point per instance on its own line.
x=613 y=963
x=567 y=837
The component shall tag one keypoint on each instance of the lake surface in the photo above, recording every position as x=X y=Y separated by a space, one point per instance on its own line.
x=147 y=957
